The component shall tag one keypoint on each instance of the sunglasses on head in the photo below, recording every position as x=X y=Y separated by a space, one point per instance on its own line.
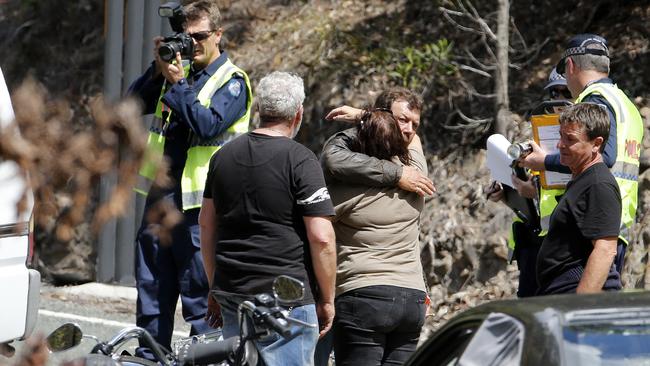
x=382 y=109
x=200 y=36
x=560 y=93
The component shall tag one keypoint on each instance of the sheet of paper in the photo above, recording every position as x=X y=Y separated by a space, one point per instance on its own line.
x=549 y=135
x=497 y=159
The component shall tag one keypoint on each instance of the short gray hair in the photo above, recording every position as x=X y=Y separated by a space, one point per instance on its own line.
x=279 y=96
x=592 y=62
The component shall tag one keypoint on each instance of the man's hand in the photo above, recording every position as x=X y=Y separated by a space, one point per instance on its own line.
x=325 y=313
x=534 y=160
x=157 y=41
x=413 y=180
x=213 y=314
x=494 y=192
x=345 y=114
x=172 y=72
x=525 y=189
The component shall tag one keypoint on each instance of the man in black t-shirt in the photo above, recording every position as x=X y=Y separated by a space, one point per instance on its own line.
x=266 y=213
x=577 y=254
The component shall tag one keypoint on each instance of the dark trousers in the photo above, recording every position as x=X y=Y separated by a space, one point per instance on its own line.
x=567 y=282
x=165 y=271
x=619 y=260
x=324 y=348
x=377 y=325
x=527 y=244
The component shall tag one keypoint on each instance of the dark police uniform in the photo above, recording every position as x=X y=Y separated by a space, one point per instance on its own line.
x=165 y=271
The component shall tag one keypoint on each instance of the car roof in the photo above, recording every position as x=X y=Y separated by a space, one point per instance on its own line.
x=544 y=318
x=572 y=307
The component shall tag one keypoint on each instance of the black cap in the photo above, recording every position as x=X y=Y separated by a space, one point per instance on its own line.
x=583 y=44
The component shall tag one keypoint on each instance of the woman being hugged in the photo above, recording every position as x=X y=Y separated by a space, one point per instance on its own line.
x=380 y=290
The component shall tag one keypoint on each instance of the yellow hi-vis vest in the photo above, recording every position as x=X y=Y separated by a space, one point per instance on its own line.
x=197 y=163
x=629 y=134
x=511 y=235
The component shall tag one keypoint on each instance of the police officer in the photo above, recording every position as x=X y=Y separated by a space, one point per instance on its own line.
x=197 y=108
x=525 y=239
x=585 y=64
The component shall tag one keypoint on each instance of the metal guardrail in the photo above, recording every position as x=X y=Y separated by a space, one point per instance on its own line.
x=130 y=26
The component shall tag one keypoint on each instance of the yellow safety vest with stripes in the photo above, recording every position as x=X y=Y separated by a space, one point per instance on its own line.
x=196 y=167
x=629 y=135
x=511 y=235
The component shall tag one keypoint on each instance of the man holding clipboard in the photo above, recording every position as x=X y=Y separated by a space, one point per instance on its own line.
x=585 y=64
x=524 y=239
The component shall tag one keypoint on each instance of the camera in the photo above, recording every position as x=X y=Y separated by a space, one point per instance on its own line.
x=179 y=42
x=519 y=150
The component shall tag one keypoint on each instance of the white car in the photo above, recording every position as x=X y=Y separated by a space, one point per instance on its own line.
x=19 y=285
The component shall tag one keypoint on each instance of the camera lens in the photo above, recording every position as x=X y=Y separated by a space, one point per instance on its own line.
x=167 y=51
x=514 y=151
x=519 y=150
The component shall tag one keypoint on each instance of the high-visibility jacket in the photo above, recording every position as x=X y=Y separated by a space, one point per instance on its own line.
x=512 y=243
x=629 y=135
x=548 y=199
x=200 y=151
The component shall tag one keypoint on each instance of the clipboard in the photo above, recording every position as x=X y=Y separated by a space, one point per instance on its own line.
x=524 y=208
x=546 y=133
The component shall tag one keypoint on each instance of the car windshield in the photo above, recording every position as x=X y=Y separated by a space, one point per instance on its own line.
x=617 y=343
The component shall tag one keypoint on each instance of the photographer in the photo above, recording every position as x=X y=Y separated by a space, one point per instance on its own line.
x=197 y=108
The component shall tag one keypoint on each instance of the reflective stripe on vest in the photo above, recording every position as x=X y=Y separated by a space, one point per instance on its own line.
x=198 y=155
x=547 y=202
x=629 y=133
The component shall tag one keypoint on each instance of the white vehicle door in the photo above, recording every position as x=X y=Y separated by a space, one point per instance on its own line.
x=19 y=285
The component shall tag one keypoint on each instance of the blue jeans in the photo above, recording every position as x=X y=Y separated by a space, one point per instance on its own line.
x=377 y=325
x=275 y=350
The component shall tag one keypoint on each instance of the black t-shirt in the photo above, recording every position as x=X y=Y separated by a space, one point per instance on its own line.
x=589 y=209
x=262 y=187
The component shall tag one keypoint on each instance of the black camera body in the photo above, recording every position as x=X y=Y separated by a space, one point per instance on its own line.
x=179 y=42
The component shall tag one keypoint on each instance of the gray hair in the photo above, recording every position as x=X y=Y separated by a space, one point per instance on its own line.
x=279 y=96
x=592 y=62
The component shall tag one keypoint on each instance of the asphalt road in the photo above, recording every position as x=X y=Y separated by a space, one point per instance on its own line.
x=100 y=310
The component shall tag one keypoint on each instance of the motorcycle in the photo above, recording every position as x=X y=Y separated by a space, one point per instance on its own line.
x=257 y=318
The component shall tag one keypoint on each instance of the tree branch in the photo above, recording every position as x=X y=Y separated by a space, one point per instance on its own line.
x=475 y=70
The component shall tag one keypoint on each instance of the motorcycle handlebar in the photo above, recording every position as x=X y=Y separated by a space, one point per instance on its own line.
x=283 y=329
x=208 y=353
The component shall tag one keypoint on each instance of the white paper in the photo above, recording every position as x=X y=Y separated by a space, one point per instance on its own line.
x=497 y=159
x=548 y=138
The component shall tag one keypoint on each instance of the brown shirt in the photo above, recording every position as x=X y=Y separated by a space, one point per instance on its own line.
x=377 y=233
